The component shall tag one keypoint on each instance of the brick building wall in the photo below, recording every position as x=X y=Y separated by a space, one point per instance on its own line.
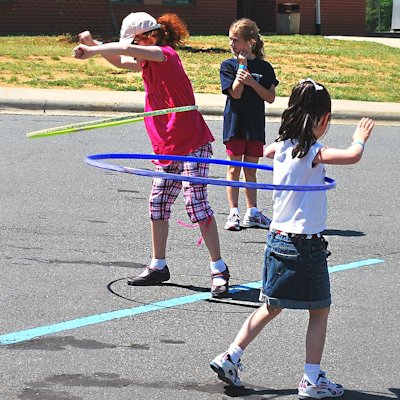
x=344 y=17
x=26 y=17
x=340 y=17
x=18 y=17
x=204 y=16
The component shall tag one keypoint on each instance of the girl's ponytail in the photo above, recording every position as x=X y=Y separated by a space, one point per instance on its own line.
x=173 y=31
x=308 y=102
x=258 y=48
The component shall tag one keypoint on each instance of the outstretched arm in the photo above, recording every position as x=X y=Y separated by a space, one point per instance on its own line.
x=113 y=52
x=353 y=153
x=125 y=62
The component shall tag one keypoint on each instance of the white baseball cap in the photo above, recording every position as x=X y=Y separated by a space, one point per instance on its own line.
x=135 y=24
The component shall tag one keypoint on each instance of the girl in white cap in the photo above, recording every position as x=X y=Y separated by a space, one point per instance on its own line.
x=148 y=45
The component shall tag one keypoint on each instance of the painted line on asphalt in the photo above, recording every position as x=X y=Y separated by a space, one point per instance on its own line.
x=25 y=335
x=357 y=264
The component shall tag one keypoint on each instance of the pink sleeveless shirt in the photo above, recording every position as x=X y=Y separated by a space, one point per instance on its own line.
x=167 y=85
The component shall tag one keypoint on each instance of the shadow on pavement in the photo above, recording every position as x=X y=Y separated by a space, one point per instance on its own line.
x=255 y=393
x=191 y=49
x=339 y=232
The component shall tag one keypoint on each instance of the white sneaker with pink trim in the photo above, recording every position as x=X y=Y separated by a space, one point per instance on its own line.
x=323 y=388
x=226 y=369
x=233 y=222
x=259 y=220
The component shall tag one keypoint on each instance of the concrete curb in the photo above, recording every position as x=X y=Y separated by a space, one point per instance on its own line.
x=130 y=102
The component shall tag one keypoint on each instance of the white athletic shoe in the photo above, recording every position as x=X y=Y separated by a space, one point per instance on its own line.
x=257 y=221
x=233 y=222
x=323 y=388
x=226 y=369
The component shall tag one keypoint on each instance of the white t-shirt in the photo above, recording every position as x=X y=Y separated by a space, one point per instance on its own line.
x=298 y=212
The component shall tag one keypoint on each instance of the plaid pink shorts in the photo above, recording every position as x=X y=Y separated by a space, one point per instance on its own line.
x=165 y=191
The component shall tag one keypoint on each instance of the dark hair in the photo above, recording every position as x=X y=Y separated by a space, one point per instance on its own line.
x=308 y=102
x=247 y=29
x=173 y=31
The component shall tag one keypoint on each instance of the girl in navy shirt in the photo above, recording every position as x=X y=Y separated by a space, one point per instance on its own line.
x=248 y=82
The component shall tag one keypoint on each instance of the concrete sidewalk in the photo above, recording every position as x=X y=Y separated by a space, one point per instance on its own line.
x=96 y=101
x=387 y=41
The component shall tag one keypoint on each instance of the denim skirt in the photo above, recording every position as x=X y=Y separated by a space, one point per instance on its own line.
x=295 y=273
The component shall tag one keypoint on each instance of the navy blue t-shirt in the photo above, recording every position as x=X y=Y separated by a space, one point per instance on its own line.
x=244 y=118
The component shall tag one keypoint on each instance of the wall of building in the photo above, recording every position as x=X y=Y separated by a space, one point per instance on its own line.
x=204 y=16
x=263 y=13
x=343 y=17
x=340 y=17
x=25 y=17
x=18 y=17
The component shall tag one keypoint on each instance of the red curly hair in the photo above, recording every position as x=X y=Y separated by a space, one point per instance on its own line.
x=173 y=31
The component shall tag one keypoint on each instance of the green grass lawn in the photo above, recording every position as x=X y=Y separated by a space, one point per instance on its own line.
x=350 y=70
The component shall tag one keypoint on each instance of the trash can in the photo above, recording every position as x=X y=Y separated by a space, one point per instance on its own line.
x=288 y=18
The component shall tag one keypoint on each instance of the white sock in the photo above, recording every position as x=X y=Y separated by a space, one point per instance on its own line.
x=157 y=263
x=234 y=210
x=218 y=266
x=311 y=371
x=235 y=352
x=252 y=211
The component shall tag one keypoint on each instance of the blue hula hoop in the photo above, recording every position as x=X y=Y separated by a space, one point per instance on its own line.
x=93 y=160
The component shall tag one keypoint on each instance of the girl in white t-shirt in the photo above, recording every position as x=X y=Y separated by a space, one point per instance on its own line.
x=295 y=268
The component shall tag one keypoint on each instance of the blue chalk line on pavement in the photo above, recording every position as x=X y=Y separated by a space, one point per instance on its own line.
x=25 y=335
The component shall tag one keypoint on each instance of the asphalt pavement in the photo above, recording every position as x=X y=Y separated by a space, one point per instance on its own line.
x=72 y=329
